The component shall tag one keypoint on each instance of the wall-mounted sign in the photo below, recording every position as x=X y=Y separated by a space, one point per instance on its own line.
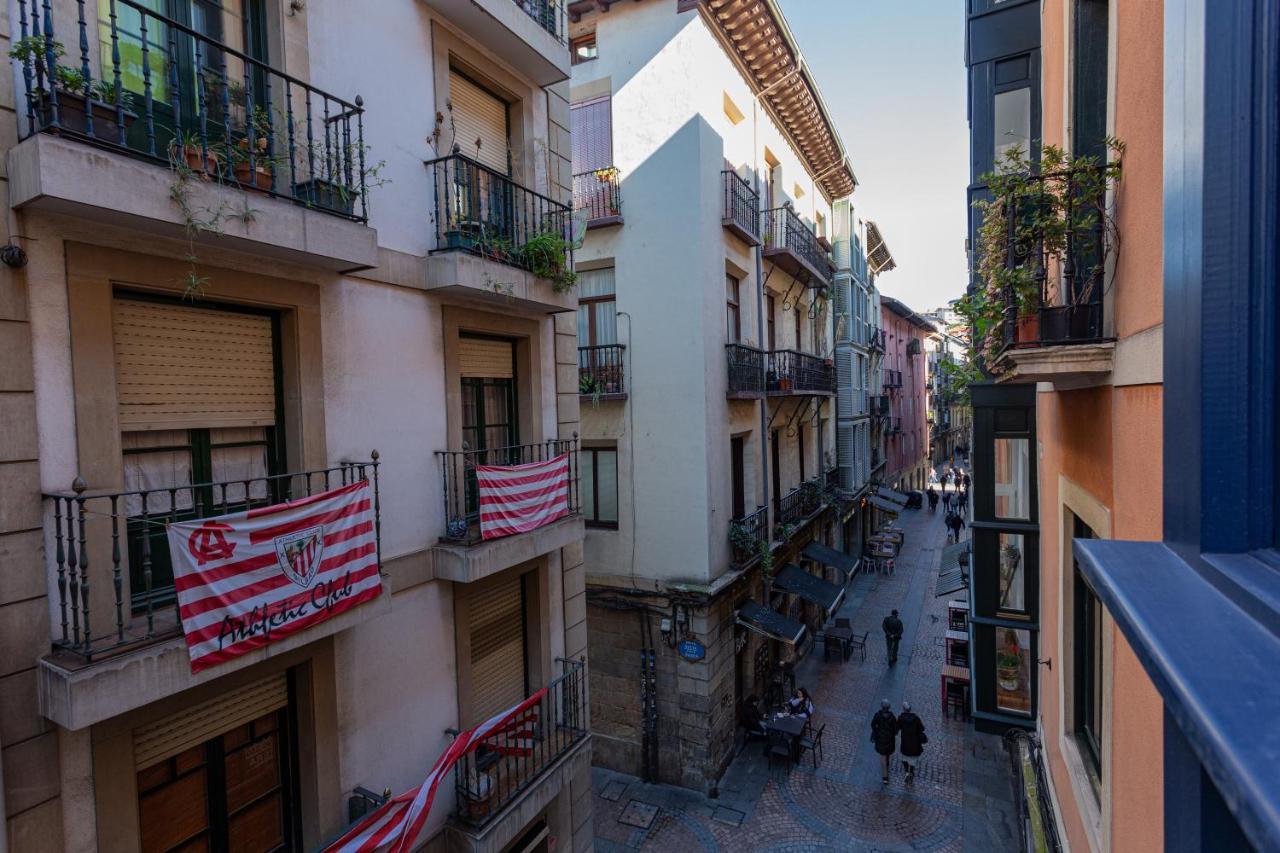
x=691 y=650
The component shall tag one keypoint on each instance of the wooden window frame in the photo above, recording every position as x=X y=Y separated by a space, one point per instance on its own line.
x=579 y=41
x=733 y=300
x=591 y=511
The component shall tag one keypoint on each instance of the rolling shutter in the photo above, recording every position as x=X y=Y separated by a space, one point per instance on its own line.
x=477 y=114
x=192 y=727
x=486 y=358
x=591 y=123
x=497 y=649
x=179 y=367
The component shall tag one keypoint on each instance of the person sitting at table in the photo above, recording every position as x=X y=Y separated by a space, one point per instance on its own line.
x=800 y=704
x=750 y=718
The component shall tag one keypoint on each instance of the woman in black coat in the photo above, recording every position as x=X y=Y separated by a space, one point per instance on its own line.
x=884 y=734
x=911 y=729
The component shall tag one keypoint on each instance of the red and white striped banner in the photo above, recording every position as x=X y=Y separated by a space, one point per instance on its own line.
x=250 y=578
x=398 y=826
x=520 y=498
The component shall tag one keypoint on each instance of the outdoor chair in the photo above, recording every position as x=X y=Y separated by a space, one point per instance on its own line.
x=779 y=747
x=832 y=646
x=842 y=622
x=813 y=743
x=860 y=643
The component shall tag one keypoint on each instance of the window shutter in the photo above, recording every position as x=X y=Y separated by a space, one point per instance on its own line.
x=485 y=358
x=592 y=133
x=844 y=383
x=477 y=114
x=497 y=649
x=192 y=727
x=179 y=367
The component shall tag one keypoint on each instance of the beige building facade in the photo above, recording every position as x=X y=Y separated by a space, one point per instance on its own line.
x=240 y=285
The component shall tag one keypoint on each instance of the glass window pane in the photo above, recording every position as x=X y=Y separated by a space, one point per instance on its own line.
x=1013 y=577
x=606 y=322
x=1013 y=670
x=584 y=325
x=129 y=42
x=586 y=485
x=157 y=469
x=1012 y=478
x=607 y=477
x=1012 y=122
x=593 y=283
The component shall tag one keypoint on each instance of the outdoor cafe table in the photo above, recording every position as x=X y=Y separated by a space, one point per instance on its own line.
x=791 y=726
x=843 y=636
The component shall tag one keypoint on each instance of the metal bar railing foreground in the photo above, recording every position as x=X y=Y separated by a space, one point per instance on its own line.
x=784 y=230
x=600 y=369
x=741 y=204
x=599 y=193
x=160 y=90
x=748 y=534
x=746 y=369
x=550 y=15
x=790 y=372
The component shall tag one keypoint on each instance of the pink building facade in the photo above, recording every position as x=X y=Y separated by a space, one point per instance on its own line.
x=904 y=373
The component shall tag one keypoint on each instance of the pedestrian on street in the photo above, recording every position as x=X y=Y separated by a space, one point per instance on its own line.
x=965 y=479
x=962 y=502
x=884 y=734
x=946 y=479
x=911 y=729
x=954 y=525
x=892 y=635
x=946 y=502
x=933 y=499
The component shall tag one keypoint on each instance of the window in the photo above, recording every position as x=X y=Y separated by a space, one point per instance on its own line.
x=733 y=316
x=738 y=465
x=1012 y=484
x=1012 y=122
x=1013 y=579
x=597 y=308
x=583 y=48
x=799 y=328
x=1087 y=666
x=731 y=110
x=1013 y=670
x=797 y=192
x=598 y=486
x=771 y=309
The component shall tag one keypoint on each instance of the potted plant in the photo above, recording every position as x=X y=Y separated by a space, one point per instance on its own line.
x=546 y=255
x=252 y=162
x=743 y=541
x=476 y=794
x=199 y=155
x=1009 y=670
x=70 y=85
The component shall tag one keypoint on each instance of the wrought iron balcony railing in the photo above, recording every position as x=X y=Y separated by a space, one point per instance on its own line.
x=792 y=246
x=876 y=340
x=748 y=534
x=462 y=495
x=893 y=426
x=481 y=211
x=791 y=372
x=128 y=600
x=550 y=15
x=746 y=369
x=600 y=370
x=153 y=87
x=800 y=503
x=599 y=193
x=741 y=207
x=892 y=379
x=879 y=404
x=507 y=763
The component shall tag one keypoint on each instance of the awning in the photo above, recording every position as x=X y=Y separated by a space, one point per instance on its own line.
x=797 y=581
x=887 y=506
x=756 y=617
x=952 y=574
x=827 y=556
x=890 y=494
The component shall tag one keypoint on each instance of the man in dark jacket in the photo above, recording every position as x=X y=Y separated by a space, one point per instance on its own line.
x=954 y=525
x=884 y=734
x=892 y=626
x=911 y=728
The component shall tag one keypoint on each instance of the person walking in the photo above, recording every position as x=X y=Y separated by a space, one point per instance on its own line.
x=933 y=499
x=892 y=626
x=954 y=525
x=946 y=501
x=911 y=729
x=884 y=734
x=962 y=502
x=964 y=478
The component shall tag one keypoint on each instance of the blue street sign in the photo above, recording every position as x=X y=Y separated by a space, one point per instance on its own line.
x=691 y=650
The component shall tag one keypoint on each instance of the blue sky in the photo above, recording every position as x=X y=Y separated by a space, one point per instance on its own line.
x=892 y=75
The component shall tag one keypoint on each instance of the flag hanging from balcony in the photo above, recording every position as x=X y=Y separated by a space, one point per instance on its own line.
x=251 y=578
x=398 y=825
x=520 y=498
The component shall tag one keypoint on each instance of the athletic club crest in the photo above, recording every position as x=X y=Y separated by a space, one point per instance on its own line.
x=299 y=554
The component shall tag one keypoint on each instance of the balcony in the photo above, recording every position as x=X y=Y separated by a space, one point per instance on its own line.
x=879 y=405
x=497 y=240
x=746 y=371
x=599 y=194
x=748 y=536
x=799 y=505
x=893 y=426
x=117 y=633
x=229 y=132
x=791 y=246
x=494 y=779
x=601 y=372
x=531 y=35
x=876 y=341
x=789 y=372
x=741 y=208
x=464 y=554
x=892 y=379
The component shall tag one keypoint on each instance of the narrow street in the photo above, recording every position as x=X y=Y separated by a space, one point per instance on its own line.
x=961 y=799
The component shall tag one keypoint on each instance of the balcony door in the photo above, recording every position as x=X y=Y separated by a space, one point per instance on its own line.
x=489 y=423
x=198 y=407
x=738 y=453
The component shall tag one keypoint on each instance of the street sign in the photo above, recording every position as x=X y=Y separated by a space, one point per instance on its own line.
x=691 y=650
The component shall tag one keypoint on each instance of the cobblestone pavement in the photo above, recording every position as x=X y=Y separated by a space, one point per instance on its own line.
x=962 y=797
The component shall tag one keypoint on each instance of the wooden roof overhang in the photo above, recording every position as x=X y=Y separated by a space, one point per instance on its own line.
x=878 y=255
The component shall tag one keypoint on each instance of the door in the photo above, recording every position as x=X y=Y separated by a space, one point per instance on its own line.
x=489 y=414
x=800 y=449
x=737 y=452
x=772 y=312
x=775 y=465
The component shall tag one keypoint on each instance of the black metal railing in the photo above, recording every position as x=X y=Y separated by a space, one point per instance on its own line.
x=599 y=193
x=791 y=372
x=483 y=212
x=746 y=369
x=505 y=764
x=462 y=495
x=1067 y=306
x=126 y=531
x=893 y=425
x=550 y=15
x=748 y=535
x=892 y=379
x=879 y=404
x=155 y=88
x=741 y=205
x=876 y=340
x=785 y=231
x=799 y=503
x=600 y=369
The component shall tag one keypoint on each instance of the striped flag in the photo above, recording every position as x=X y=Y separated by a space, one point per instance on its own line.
x=398 y=826
x=247 y=579
x=520 y=498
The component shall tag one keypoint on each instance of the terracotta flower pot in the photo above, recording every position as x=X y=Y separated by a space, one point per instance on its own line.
x=1027 y=331
x=205 y=165
x=260 y=180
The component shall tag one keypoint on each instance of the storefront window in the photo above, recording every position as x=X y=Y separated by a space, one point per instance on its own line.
x=1012 y=481
x=1013 y=577
x=1013 y=670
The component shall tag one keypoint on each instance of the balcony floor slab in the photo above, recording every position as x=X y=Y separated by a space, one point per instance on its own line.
x=473 y=279
x=1066 y=366
x=463 y=563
